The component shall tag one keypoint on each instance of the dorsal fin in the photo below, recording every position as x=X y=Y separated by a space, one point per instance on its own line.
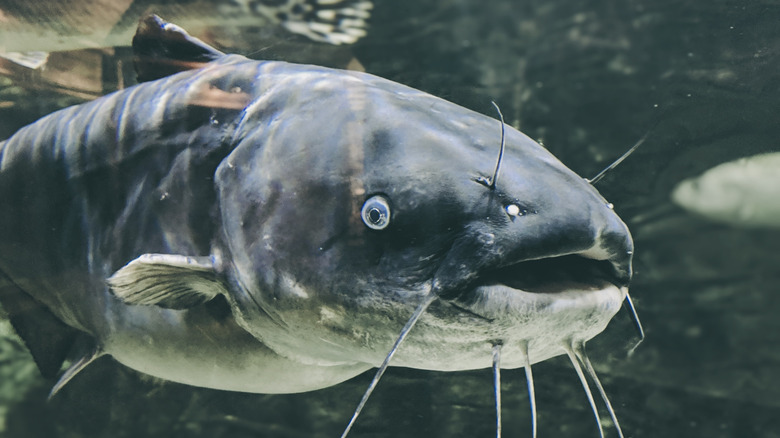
x=48 y=339
x=161 y=49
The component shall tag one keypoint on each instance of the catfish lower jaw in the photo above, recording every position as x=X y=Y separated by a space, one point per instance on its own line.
x=501 y=302
x=569 y=288
x=456 y=335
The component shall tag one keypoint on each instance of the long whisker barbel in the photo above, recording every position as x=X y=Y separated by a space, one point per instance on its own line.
x=633 y=148
x=617 y=162
x=579 y=351
x=629 y=306
x=497 y=385
x=491 y=182
x=501 y=150
x=427 y=300
x=576 y=352
x=529 y=378
x=575 y=363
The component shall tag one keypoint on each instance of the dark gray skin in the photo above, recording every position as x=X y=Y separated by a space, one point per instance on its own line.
x=258 y=171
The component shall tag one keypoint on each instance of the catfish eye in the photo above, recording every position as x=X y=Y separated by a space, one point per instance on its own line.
x=376 y=213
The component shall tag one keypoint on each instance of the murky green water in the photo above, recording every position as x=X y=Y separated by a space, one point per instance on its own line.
x=587 y=79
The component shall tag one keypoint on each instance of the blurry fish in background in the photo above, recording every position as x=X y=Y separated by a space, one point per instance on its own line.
x=328 y=21
x=54 y=25
x=79 y=47
x=743 y=192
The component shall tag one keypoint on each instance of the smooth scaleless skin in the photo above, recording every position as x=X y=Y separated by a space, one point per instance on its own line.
x=258 y=171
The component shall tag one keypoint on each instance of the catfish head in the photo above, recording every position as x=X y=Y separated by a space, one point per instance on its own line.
x=345 y=201
x=348 y=199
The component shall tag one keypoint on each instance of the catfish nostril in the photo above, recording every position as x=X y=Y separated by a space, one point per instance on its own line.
x=513 y=210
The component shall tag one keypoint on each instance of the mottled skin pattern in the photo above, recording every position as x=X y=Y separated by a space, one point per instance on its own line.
x=57 y=25
x=264 y=166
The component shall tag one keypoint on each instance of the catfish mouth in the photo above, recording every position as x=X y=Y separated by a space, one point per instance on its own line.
x=554 y=275
x=531 y=280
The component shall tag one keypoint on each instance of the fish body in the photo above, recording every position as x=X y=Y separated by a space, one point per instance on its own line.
x=269 y=227
x=744 y=192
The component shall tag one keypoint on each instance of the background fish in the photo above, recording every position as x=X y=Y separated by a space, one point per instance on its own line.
x=50 y=25
x=744 y=192
x=81 y=48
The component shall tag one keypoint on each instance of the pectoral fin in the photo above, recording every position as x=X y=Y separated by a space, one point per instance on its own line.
x=167 y=280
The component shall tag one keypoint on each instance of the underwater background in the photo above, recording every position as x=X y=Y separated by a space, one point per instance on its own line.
x=587 y=79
